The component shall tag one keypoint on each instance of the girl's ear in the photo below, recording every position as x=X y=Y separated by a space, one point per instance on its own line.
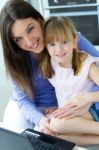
x=75 y=42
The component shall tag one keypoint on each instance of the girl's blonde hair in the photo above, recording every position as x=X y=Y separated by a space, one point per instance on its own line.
x=58 y=29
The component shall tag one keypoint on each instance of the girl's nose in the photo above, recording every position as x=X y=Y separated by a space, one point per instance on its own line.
x=59 y=47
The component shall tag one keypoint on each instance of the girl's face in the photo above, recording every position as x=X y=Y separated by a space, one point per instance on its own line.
x=62 y=51
x=27 y=34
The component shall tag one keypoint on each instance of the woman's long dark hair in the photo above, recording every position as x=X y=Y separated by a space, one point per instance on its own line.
x=16 y=59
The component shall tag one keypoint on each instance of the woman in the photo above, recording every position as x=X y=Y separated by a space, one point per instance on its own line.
x=21 y=35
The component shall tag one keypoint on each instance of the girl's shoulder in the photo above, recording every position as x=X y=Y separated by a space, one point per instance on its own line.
x=83 y=56
x=86 y=59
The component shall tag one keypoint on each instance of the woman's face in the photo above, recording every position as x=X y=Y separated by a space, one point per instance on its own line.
x=27 y=34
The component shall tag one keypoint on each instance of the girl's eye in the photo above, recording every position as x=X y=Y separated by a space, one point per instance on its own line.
x=64 y=42
x=52 y=44
x=30 y=29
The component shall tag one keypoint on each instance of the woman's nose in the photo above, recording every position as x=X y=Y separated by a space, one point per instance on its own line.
x=28 y=42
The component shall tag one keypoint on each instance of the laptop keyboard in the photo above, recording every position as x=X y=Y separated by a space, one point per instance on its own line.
x=38 y=145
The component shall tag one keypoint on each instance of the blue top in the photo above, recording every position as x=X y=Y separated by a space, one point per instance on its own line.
x=44 y=92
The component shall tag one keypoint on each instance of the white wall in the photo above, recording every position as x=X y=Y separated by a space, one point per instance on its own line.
x=5 y=90
x=2 y=2
x=35 y=3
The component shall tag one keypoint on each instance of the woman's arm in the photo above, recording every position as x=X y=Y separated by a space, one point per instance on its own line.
x=31 y=111
x=85 y=45
x=26 y=105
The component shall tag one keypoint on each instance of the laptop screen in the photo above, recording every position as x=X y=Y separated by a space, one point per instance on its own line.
x=13 y=141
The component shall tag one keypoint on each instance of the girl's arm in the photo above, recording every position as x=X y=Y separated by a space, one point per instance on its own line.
x=80 y=103
x=82 y=99
x=94 y=76
x=85 y=45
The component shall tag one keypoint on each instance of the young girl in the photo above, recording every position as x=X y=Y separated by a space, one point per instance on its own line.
x=71 y=72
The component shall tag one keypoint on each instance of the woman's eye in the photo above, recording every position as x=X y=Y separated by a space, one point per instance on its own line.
x=30 y=29
x=18 y=39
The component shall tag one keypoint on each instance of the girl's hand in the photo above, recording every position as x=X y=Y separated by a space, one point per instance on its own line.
x=44 y=125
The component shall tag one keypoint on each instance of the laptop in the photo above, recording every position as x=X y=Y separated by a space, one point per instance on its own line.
x=31 y=140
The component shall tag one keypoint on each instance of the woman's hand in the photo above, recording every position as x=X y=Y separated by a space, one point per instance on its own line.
x=77 y=106
x=70 y=111
x=75 y=111
x=44 y=125
x=48 y=111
